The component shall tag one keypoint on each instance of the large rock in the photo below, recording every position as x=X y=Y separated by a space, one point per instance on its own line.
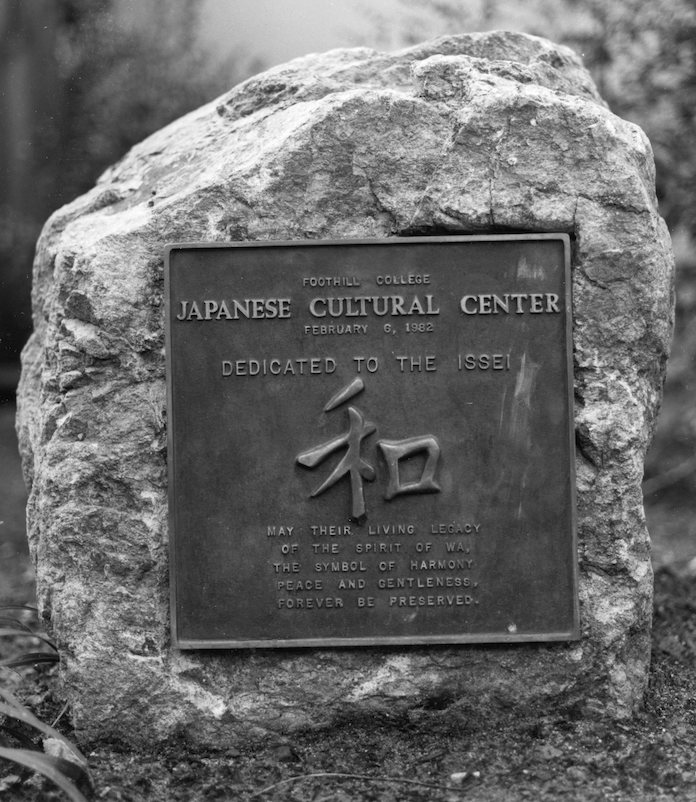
x=479 y=133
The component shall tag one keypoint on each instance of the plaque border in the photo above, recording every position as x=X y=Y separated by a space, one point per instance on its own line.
x=572 y=634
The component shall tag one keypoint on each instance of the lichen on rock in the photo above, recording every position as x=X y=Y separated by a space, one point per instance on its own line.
x=495 y=132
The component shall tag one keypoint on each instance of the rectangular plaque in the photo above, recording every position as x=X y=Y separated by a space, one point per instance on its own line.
x=371 y=442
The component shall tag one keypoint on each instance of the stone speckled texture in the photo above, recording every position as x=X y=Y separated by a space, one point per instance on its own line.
x=478 y=133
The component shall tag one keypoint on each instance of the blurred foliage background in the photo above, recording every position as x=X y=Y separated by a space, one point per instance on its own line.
x=80 y=82
x=83 y=80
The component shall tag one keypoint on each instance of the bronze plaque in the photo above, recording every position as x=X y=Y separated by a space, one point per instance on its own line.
x=371 y=442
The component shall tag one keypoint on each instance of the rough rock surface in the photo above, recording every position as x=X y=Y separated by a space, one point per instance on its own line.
x=486 y=132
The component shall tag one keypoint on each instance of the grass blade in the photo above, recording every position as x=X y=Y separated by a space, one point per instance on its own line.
x=25 y=632
x=47 y=766
x=15 y=624
x=14 y=709
x=24 y=740
x=29 y=659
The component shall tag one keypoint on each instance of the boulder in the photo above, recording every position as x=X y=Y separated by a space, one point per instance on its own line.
x=495 y=132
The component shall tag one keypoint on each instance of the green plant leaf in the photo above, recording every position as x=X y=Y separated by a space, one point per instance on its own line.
x=49 y=767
